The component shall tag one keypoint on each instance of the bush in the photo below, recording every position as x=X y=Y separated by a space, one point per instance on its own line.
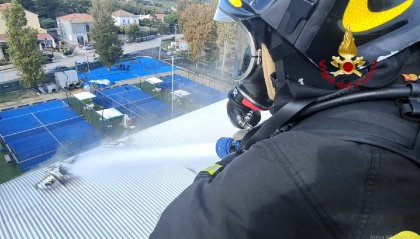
x=47 y=23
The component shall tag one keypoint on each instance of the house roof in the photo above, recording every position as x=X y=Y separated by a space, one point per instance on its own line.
x=43 y=36
x=160 y=16
x=4 y=6
x=77 y=18
x=122 y=13
x=40 y=37
x=148 y=16
x=116 y=191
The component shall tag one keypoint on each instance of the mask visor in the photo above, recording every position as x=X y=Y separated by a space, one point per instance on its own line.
x=245 y=57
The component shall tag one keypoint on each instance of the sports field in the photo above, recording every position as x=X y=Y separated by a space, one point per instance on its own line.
x=36 y=133
x=142 y=66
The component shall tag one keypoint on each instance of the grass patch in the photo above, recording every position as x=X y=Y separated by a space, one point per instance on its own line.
x=16 y=95
x=8 y=171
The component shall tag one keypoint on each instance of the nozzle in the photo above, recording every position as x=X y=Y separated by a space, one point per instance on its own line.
x=225 y=146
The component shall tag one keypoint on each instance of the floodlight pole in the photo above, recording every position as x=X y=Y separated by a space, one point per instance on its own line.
x=160 y=46
x=87 y=58
x=172 y=83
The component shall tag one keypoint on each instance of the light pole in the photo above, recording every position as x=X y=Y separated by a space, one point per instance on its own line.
x=160 y=47
x=87 y=57
x=172 y=83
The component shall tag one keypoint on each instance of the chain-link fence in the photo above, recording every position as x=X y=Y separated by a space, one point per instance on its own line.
x=88 y=111
x=213 y=75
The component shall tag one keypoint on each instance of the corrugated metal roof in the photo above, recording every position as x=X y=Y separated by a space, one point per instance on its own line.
x=118 y=191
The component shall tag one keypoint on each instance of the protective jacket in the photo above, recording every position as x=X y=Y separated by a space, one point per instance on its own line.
x=341 y=173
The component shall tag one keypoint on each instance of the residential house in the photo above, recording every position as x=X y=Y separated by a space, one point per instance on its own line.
x=124 y=18
x=45 y=40
x=32 y=20
x=75 y=28
x=159 y=16
x=148 y=17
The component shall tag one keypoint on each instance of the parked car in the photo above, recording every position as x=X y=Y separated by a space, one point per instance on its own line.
x=60 y=68
x=87 y=46
x=47 y=57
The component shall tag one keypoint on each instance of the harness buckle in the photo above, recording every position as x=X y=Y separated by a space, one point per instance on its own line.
x=411 y=109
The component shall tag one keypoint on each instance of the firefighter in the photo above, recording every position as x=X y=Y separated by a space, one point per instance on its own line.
x=340 y=157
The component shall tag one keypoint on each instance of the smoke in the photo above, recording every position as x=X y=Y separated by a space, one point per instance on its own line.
x=107 y=161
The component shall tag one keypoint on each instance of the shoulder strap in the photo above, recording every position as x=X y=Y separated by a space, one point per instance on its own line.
x=374 y=123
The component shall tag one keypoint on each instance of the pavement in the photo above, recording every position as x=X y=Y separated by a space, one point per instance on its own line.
x=9 y=73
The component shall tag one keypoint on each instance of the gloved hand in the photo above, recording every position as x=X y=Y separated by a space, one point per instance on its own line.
x=247 y=99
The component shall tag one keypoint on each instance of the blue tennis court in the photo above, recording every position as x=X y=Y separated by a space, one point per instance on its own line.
x=142 y=66
x=37 y=133
x=143 y=108
x=200 y=94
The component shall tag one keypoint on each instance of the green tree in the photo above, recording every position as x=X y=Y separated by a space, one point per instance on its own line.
x=171 y=18
x=23 y=48
x=27 y=4
x=145 y=22
x=161 y=27
x=47 y=23
x=105 y=33
x=226 y=37
x=199 y=30
x=46 y=8
x=133 y=31
x=133 y=7
x=73 y=6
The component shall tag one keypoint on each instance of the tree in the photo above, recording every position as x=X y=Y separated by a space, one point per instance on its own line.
x=161 y=27
x=133 y=31
x=133 y=7
x=226 y=38
x=105 y=33
x=171 y=18
x=73 y=6
x=46 y=8
x=145 y=22
x=199 y=30
x=26 y=4
x=23 y=48
x=47 y=23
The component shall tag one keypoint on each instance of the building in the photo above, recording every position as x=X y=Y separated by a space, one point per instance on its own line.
x=32 y=20
x=124 y=18
x=75 y=28
x=148 y=17
x=159 y=16
x=46 y=41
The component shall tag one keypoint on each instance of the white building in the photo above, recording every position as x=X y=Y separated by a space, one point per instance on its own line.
x=75 y=28
x=148 y=16
x=123 y=18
